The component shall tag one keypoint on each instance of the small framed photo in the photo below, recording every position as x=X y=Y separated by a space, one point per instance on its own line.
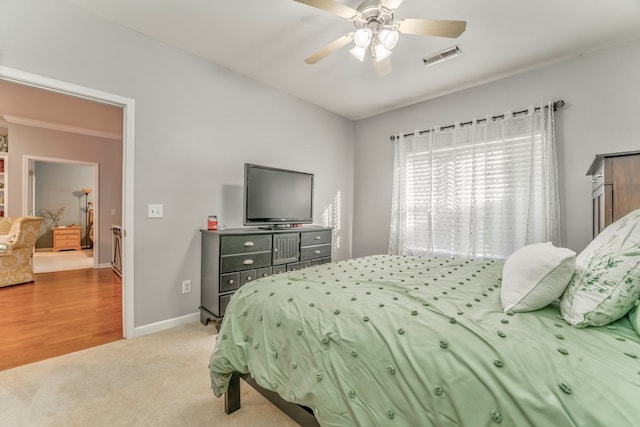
x=4 y=143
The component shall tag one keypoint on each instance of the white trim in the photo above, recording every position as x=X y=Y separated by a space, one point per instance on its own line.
x=166 y=324
x=128 y=166
x=64 y=88
x=128 y=144
x=61 y=127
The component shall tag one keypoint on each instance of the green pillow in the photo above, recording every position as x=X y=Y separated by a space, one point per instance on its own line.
x=606 y=283
x=634 y=318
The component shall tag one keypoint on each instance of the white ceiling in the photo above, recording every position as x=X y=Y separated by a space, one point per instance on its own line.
x=267 y=40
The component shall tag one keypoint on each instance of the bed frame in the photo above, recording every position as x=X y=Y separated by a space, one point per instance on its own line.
x=300 y=414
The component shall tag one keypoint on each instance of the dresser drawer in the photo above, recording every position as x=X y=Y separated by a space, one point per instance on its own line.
x=241 y=262
x=229 y=282
x=315 y=238
x=223 y=303
x=67 y=233
x=312 y=252
x=277 y=269
x=67 y=237
x=305 y=264
x=243 y=244
x=66 y=243
x=320 y=261
x=248 y=276
x=264 y=272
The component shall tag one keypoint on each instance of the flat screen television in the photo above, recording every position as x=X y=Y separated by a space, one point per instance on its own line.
x=277 y=197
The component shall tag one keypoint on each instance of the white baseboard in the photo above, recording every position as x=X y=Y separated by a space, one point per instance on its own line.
x=151 y=328
x=105 y=265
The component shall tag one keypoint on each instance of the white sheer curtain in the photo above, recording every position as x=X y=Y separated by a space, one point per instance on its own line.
x=479 y=190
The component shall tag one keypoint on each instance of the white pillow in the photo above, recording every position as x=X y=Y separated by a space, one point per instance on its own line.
x=536 y=275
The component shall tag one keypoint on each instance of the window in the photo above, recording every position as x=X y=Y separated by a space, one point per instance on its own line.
x=481 y=190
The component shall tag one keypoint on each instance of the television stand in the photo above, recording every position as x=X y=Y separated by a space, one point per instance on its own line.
x=233 y=257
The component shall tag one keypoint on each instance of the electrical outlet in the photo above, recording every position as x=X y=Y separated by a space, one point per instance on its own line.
x=186 y=286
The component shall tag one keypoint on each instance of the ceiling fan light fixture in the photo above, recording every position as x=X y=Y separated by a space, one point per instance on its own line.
x=377 y=31
x=389 y=38
x=362 y=38
x=358 y=52
x=380 y=52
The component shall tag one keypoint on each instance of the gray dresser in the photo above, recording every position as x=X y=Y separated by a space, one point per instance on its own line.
x=233 y=257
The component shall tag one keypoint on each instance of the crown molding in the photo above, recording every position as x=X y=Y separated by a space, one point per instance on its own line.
x=60 y=127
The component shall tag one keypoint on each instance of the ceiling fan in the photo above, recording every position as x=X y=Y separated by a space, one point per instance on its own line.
x=377 y=31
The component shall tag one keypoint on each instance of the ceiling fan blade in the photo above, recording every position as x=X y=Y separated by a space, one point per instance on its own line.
x=332 y=7
x=432 y=27
x=328 y=49
x=382 y=68
x=390 y=5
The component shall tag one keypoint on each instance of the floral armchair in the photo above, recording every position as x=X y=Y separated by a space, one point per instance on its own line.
x=18 y=237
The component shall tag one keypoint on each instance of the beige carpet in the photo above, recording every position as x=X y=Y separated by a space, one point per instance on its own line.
x=156 y=380
x=49 y=261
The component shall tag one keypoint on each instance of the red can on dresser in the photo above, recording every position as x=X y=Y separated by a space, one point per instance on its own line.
x=212 y=222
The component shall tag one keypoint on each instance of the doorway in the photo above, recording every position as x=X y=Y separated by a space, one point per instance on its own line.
x=128 y=138
x=72 y=186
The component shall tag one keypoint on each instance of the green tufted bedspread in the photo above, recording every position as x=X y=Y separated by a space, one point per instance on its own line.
x=409 y=341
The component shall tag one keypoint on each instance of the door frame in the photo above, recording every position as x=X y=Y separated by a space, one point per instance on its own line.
x=128 y=142
x=28 y=197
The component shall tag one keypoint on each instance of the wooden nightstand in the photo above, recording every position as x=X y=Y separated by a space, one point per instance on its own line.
x=66 y=238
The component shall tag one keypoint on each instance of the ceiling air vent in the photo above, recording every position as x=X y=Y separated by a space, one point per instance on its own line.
x=441 y=56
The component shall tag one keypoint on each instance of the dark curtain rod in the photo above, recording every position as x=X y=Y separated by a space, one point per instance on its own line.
x=556 y=105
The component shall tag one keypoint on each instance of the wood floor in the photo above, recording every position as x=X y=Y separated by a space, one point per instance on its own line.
x=59 y=313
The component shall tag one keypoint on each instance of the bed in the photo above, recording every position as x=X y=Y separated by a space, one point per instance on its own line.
x=402 y=340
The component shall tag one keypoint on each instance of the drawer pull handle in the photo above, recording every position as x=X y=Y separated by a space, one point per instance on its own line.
x=231 y=282
x=265 y=275
x=248 y=244
x=275 y=249
x=593 y=181
x=248 y=278
x=317 y=238
x=317 y=251
x=247 y=262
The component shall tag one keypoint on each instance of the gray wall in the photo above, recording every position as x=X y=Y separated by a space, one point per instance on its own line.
x=196 y=125
x=59 y=185
x=603 y=106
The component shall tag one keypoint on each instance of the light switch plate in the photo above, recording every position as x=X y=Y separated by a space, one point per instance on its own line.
x=154 y=211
